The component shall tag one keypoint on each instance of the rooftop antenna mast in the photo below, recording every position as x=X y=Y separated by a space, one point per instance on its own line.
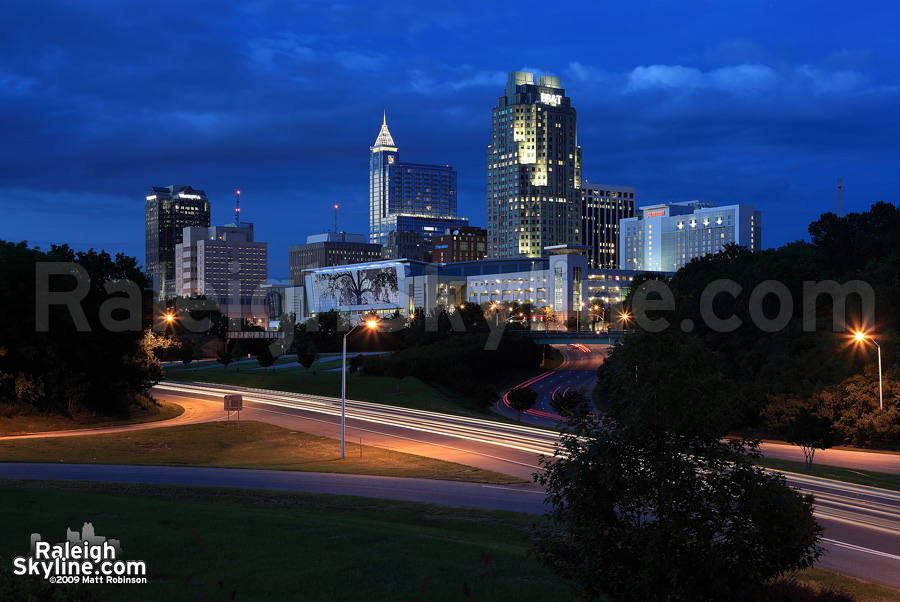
x=335 y=219
x=840 y=197
x=237 y=208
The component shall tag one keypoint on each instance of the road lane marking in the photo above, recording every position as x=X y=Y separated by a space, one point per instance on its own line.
x=857 y=548
x=511 y=489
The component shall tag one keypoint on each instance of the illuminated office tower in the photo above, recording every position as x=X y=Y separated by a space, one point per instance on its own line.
x=168 y=211
x=407 y=197
x=533 y=169
x=603 y=207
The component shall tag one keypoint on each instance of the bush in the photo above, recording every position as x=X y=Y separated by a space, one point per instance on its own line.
x=375 y=365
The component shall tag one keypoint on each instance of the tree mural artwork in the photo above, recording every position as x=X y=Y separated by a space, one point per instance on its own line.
x=360 y=287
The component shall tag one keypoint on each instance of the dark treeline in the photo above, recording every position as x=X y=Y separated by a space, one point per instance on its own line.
x=431 y=347
x=64 y=368
x=774 y=377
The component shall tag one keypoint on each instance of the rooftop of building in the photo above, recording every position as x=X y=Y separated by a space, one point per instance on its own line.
x=335 y=237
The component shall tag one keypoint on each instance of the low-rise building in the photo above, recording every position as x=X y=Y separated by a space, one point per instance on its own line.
x=460 y=244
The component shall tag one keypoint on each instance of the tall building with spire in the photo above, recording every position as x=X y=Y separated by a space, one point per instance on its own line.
x=406 y=197
x=533 y=169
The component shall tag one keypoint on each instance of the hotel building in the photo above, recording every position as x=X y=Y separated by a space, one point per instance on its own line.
x=666 y=237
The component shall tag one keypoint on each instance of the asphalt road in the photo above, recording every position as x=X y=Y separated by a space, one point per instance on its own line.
x=578 y=371
x=862 y=525
x=527 y=498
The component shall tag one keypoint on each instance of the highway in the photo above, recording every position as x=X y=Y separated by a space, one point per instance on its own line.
x=578 y=371
x=862 y=525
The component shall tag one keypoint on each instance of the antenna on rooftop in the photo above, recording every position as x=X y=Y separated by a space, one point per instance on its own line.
x=335 y=219
x=237 y=208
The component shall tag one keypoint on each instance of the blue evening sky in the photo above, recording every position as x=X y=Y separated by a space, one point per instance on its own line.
x=738 y=101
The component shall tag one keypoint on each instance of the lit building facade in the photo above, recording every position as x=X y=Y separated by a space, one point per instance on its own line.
x=666 y=237
x=461 y=244
x=602 y=208
x=168 y=211
x=407 y=244
x=533 y=169
x=330 y=248
x=408 y=196
x=224 y=264
x=560 y=284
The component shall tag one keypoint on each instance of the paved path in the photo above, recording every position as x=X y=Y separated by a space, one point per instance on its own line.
x=520 y=498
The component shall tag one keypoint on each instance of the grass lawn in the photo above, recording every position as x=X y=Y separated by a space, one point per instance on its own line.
x=38 y=423
x=253 y=445
x=223 y=544
x=203 y=543
x=862 y=591
x=847 y=475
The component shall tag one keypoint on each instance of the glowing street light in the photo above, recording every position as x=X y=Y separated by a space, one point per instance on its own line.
x=861 y=338
x=373 y=324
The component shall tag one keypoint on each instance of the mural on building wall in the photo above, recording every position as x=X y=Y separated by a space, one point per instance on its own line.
x=360 y=287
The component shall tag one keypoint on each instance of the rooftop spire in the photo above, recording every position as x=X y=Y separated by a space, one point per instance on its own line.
x=384 y=136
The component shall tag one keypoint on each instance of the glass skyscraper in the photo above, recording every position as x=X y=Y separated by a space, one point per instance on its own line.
x=533 y=169
x=169 y=210
x=408 y=196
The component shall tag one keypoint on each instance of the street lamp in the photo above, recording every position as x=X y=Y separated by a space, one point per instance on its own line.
x=371 y=323
x=861 y=337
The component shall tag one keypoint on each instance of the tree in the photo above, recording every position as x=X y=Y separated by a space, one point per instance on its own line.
x=355 y=363
x=113 y=367
x=265 y=359
x=485 y=397
x=650 y=502
x=238 y=353
x=187 y=352
x=521 y=399
x=569 y=403
x=224 y=358
x=398 y=368
x=307 y=355
x=801 y=425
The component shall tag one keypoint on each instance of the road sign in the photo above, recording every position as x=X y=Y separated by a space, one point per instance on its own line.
x=234 y=403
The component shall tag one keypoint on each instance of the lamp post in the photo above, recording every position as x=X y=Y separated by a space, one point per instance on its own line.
x=371 y=324
x=861 y=337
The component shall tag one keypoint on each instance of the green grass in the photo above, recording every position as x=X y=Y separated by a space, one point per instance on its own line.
x=206 y=543
x=848 y=475
x=292 y=377
x=252 y=445
x=38 y=423
x=211 y=543
x=862 y=591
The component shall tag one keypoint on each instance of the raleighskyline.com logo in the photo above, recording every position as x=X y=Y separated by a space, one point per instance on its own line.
x=83 y=558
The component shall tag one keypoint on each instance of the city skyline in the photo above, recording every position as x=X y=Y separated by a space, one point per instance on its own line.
x=765 y=105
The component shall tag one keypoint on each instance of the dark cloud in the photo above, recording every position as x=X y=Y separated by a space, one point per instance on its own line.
x=743 y=102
